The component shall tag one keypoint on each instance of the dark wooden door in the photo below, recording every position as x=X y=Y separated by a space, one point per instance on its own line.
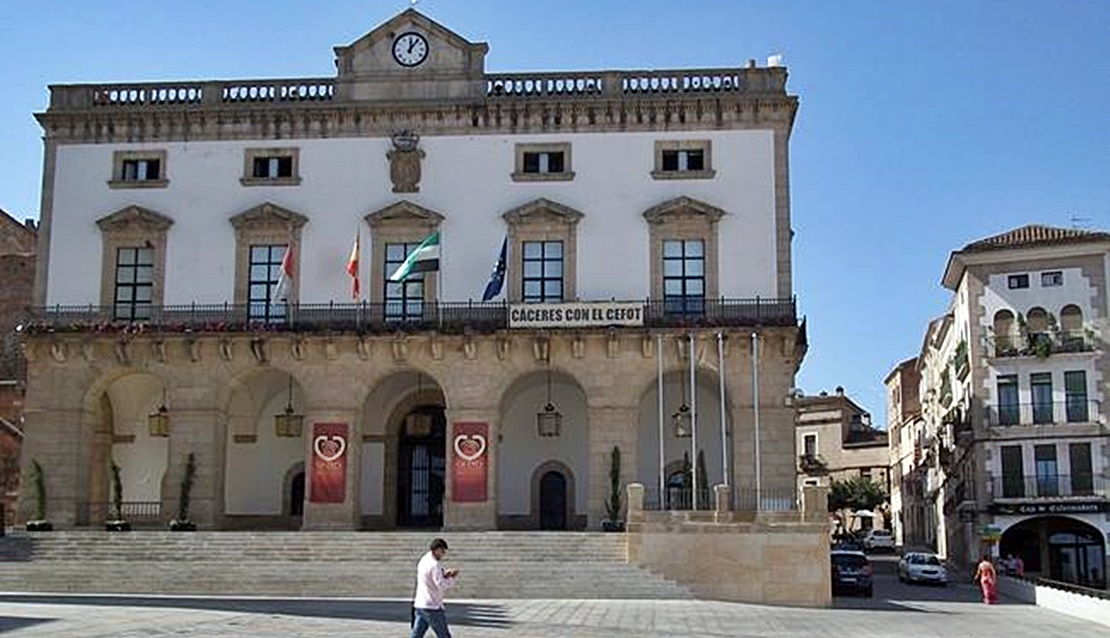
x=553 y=501
x=421 y=472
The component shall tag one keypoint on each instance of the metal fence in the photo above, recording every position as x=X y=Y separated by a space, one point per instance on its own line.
x=1074 y=410
x=1047 y=486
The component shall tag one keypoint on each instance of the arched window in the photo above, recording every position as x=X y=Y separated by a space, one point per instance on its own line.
x=1037 y=321
x=1071 y=328
x=1004 y=337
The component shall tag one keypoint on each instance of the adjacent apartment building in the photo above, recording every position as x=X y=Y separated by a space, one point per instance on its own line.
x=1012 y=390
x=837 y=441
x=414 y=293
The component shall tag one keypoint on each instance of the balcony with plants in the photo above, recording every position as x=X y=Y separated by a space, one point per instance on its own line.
x=813 y=464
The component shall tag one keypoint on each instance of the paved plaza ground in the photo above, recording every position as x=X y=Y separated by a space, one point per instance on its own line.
x=896 y=610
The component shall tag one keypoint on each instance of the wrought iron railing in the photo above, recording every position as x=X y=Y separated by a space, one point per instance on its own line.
x=1047 y=486
x=1076 y=410
x=1040 y=344
x=130 y=511
x=447 y=317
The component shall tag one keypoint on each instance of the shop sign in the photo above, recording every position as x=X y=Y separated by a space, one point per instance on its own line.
x=576 y=314
x=1070 y=507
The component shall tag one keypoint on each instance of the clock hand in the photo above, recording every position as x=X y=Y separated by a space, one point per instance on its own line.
x=412 y=43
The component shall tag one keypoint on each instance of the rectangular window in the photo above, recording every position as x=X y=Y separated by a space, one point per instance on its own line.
x=138 y=169
x=273 y=167
x=1040 y=384
x=684 y=276
x=809 y=443
x=141 y=170
x=1017 y=281
x=543 y=163
x=1009 y=410
x=1013 y=472
x=1082 y=476
x=262 y=280
x=134 y=283
x=1048 y=479
x=542 y=277
x=683 y=159
x=1075 y=396
x=1052 y=278
x=404 y=300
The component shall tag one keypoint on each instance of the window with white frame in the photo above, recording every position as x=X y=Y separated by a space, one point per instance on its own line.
x=134 y=285
x=138 y=169
x=1052 y=278
x=404 y=300
x=683 y=159
x=684 y=276
x=271 y=167
x=542 y=163
x=542 y=279
x=1017 y=281
x=263 y=279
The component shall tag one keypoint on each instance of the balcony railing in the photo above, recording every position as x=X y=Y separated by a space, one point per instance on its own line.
x=1040 y=344
x=812 y=464
x=1073 y=411
x=381 y=317
x=744 y=499
x=1049 y=486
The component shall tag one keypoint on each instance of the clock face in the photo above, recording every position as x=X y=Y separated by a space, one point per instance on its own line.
x=410 y=49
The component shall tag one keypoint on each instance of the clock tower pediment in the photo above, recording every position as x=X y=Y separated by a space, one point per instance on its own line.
x=410 y=57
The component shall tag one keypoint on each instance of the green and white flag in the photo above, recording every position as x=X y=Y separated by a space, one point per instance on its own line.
x=423 y=258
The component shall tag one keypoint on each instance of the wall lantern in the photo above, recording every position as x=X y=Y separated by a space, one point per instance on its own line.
x=288 y=423
x=680 y=420
x=549 y=421
x=159 y=420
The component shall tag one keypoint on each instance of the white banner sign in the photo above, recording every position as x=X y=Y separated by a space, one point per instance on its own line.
x=576 y=314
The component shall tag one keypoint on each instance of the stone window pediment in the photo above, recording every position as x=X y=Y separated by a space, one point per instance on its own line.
x=268 y=216
x=684 y=219
x=404 y=213
x=683 y=209
x=402 y=222
x=134 y=219
x=543 y=210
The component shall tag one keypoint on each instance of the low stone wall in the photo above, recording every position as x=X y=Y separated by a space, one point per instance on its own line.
x=1063 y=601
x=779 y=558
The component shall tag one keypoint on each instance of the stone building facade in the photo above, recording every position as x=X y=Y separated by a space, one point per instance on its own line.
x=647 y=300
x=17 y=276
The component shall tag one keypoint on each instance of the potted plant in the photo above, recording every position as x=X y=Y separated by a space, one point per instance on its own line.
x=182 y=522
x=38 y=481
x=116 y=522
x=612 y=522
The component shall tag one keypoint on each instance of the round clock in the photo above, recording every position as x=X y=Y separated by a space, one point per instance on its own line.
x=410 y=49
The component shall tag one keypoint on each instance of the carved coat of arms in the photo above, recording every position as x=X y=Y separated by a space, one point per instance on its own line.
x=404 y=162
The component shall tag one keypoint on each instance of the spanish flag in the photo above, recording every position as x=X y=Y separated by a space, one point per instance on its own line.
x=352 y=268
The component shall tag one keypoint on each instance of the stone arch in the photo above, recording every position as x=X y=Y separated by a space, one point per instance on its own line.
x=1037 y=320
x=1071 y=320
x=573 y=520
x=521 y=449
x=1058 y=547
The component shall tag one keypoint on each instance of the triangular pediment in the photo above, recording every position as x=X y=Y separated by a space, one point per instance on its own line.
x=543 y=209
x=268 y=216
x=683 y=207
x=404 y=212
x=134 y=218
x=372 y=54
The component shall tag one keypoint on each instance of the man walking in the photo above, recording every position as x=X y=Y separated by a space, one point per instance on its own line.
x=432 y=581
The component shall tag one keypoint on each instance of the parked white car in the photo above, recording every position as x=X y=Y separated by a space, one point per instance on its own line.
x=878 y=539
x=922 y=567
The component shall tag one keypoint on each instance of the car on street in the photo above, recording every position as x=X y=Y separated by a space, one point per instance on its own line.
x=878 y=539
x=851 y=573
x=922 y=567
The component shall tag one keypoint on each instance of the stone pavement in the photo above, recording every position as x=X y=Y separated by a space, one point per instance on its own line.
x=950 y=613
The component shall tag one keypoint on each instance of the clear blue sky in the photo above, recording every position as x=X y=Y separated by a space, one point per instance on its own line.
x=923 y=125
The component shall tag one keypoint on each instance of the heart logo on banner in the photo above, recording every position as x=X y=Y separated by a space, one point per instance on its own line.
x=470 y=446
x=329 y=448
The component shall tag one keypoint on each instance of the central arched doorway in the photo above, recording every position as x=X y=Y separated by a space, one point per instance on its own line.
x=553 y=501
x=421 y=467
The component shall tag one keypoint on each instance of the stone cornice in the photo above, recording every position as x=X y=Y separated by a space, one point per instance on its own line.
x=543 y=208
x=317 y=120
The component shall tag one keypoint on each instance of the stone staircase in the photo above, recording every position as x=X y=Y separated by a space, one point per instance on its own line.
x=374 y=564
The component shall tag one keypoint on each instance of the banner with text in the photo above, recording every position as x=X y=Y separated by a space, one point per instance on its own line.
x=576 y=314
x=329 y=463
x=469 y=462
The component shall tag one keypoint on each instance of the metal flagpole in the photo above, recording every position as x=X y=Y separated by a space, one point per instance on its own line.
x=662 y=448
x=724 y=415
x=693 y=421
x=755 y=414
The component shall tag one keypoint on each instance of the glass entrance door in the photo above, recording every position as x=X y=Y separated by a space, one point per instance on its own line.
x=421 y=468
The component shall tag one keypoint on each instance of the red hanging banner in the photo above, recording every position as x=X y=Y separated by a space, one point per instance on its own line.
x=329 y=463
x=469 y=462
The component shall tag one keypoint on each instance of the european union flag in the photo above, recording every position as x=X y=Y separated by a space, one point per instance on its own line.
x=497 y=277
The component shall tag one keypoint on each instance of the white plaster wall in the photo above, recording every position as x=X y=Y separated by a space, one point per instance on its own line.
x=1077 y=289
x=466 y=178
x=372 y=478
x=255 y=472
x=521 y=449
x=709 y=432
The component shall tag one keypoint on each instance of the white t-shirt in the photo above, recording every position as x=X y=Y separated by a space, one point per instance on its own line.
x=431 y=583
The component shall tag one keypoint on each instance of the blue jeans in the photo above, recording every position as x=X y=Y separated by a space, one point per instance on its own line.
x=434 y=618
